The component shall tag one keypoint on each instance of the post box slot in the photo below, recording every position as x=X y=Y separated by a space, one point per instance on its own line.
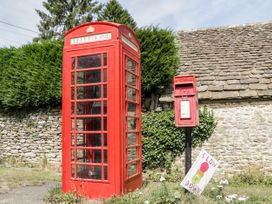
x=184 y=86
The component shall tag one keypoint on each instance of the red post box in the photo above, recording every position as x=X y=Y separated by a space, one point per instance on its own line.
x=101 y=133
x=186 y=102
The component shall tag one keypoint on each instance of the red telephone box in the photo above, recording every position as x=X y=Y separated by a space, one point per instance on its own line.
x=101 y=144
x=186 y=102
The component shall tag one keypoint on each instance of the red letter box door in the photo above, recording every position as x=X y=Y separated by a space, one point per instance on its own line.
x=87 y=150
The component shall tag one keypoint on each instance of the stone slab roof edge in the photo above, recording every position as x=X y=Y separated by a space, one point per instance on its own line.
x=222 y=27
x=231 y=63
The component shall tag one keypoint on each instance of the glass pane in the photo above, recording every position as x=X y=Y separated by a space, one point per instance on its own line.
x=105 y=75
x=105 y=91
x=88 y=124
x=131 y=79
x=72 y=124
x=132 y=169
x=73 y=63
x=72 y=140
x=131 y=65
x=105 y=156
x=88 y=156
x=83 y=156
x=131 y=94
x=105 y=59
x=89 y=61
x=105 y=173
x=89 y=172
x=88 y=92
x=132 y=139
x=105 y=140
x=105 y=123
x=131 y=109
x=105 y=107
x=91 y=76
x=73 y=170
x=72 y=155
x=132 y=153
x=97 y=156
x=131 y=123
x=89 y=108
x=73 y=78
x=72 y=93
x=73 y=108
x=89 y=140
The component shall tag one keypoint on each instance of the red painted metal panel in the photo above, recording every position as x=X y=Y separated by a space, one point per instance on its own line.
x=185 y=92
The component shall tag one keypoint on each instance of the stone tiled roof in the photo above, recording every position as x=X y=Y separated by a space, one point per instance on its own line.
x=229 y=62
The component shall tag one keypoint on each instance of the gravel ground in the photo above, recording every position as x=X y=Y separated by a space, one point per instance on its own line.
x=25 y=195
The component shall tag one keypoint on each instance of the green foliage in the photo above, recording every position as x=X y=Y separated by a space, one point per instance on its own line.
x=63 y=15
x=55 y=195
x=128 y=198
x=114 y=12
x=30 y=76
x=166 y=195
x=162 y=140
x=159 y=58
x=252 y=176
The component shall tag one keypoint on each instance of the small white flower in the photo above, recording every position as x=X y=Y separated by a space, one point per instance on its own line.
x=243 y=198
x=162 y=179
x=233 y=196
x=219 y=186
x=140 y=193
x=224 y=182
x=228 y=200
x=146 y=202
x=219 y=197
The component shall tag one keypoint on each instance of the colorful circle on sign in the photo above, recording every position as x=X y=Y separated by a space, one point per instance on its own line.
x=204 y=167
x=200 y=173
x=196 y=179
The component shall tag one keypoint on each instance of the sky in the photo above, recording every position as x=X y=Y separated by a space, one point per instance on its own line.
x=174 y=14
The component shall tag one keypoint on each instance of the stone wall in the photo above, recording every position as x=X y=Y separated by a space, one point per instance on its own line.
x=31 y=137
x=242 y=138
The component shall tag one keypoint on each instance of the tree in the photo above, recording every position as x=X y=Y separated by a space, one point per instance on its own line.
x=63 y=15
x=114 y=12
x=159 y=60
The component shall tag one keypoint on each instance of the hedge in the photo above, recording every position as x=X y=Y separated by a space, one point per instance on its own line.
x=159 y=58
x=162 y=142
x=31 y=76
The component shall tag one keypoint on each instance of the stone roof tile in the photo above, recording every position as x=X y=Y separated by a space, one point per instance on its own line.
x=229 y=62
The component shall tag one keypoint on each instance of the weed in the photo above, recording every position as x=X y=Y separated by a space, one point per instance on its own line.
x=55 y=195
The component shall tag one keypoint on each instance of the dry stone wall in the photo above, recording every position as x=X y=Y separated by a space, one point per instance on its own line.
x=242 y=138
x=32 y=138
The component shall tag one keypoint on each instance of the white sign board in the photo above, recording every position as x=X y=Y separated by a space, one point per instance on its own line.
x=129 y=43
x=185 y=109
x=200 y=173
x=90 y=38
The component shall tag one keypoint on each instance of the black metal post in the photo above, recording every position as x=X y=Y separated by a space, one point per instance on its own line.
x=188 y=149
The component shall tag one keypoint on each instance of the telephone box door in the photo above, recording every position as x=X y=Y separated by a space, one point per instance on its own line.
x=87 y=148
x=132 y=139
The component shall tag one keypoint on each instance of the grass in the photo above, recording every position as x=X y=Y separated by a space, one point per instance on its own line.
x=256 y=193
x=168 y=192
x=15 y=177
x=55 y=195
